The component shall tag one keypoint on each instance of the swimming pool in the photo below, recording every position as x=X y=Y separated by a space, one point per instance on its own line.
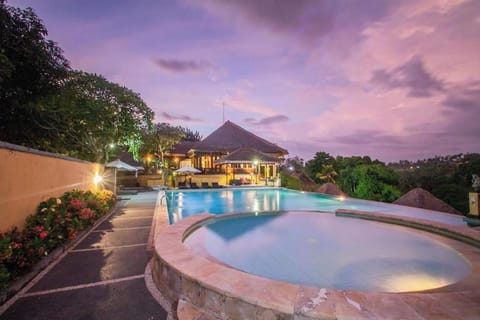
x=327 y=251
x=182 y=204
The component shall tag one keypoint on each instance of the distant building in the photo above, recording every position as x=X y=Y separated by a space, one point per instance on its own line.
x=233 y=152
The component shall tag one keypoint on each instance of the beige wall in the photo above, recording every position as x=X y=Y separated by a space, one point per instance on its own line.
x=28 y=177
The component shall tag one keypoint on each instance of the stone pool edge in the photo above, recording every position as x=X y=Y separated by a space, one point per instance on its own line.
x=221 y=292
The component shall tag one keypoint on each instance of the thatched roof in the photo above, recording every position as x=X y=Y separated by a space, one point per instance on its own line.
x=229 y=137
x=420 y=198
x=246 y=154
x=183 y=147
x=332 y=189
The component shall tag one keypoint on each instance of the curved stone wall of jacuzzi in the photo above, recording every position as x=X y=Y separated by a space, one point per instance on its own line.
x=226 y=293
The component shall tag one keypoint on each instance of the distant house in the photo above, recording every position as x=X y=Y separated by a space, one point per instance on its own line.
x=233 y=152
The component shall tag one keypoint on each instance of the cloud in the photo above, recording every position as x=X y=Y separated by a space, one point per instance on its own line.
x=412 y=76
x=181 y=66
x=169 y=116
x=462 y=107
x=305 y=19
x=465 y=97
x=267 y=120
x=368 y=137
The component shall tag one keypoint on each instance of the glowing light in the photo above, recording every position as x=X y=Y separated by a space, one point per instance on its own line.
x=97 y=179
x=414 y=282
x=341 y=198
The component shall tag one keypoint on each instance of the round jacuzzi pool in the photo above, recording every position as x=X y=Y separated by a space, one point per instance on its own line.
x=324 y=250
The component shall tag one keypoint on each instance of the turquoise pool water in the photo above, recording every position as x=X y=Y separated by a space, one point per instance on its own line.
x=182 y=204
x=327 y=251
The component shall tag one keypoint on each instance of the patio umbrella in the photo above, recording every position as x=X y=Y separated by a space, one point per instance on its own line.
x=119 y=165
x=187 y=170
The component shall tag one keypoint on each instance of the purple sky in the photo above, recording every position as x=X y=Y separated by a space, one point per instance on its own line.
x=390 y=79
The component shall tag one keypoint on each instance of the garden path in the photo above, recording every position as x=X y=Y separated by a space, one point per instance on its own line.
x=102 y=276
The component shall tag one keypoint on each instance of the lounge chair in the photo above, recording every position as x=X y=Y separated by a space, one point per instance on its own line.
x=216 y=185
x=182 y=185
x=193 y=185
x=205 y=185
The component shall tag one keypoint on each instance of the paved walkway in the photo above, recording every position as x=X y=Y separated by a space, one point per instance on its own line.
x=103 y=276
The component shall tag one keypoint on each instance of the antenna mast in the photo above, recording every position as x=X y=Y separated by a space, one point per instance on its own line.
x=223 y=111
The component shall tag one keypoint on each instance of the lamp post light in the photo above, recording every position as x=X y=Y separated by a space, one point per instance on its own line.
x=255 y=162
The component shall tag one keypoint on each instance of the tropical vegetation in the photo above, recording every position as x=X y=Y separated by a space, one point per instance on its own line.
x=449 y=178
x=55 y=222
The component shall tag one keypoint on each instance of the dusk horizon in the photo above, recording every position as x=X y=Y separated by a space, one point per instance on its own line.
x=396 y=80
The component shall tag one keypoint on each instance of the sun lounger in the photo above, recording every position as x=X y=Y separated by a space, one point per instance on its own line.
x=205 y=185
x=193 y=185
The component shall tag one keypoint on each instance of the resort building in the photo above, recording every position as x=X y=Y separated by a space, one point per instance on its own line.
x=233 y=154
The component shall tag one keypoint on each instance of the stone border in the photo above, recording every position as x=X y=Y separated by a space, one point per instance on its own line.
x=220 y=292
x=15 y=147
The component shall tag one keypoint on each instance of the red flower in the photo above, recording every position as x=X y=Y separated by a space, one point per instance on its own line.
x=16 y=245
x=39 y=229
x=43 y=234
x=77 y=204
x=86 y=214
x=72 y=235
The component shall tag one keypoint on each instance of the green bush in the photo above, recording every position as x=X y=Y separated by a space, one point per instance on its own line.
x=56 y=221
x=290 y=182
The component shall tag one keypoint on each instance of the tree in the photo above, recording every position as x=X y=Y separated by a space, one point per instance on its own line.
x=31 y=67
x=327 y=174
x=314 y=166
x=347 y=180
x=375 y=182
x=161 y=140
x=190 y=135
x=90 y=115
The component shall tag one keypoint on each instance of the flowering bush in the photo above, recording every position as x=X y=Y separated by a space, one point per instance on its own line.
x=56 y=221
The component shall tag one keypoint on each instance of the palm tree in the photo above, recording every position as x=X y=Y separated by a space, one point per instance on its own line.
x=328 y=173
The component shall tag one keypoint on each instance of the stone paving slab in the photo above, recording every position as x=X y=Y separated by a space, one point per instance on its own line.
x=114 y=238
x=118 y=222
x=95 y=266
x=122 y=300
x=133 y=213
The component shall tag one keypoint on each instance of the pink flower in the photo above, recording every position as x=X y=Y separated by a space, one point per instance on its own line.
x=43 y=234
x=16 y=245
x=77 y=204
x=39 y=229
x=72 y=235
x=86 y=214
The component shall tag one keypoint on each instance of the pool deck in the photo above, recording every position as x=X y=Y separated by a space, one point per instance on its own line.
x=105 y=275
x=206 y=289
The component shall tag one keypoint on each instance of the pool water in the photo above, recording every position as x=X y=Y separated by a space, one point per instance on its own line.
x=182 y=204
x=327 y=251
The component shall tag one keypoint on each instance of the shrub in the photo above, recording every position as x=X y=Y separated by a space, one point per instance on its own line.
x=56 y=221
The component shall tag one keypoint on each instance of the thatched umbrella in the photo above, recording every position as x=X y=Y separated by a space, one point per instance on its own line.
x=420 y=198
x=332 y=189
